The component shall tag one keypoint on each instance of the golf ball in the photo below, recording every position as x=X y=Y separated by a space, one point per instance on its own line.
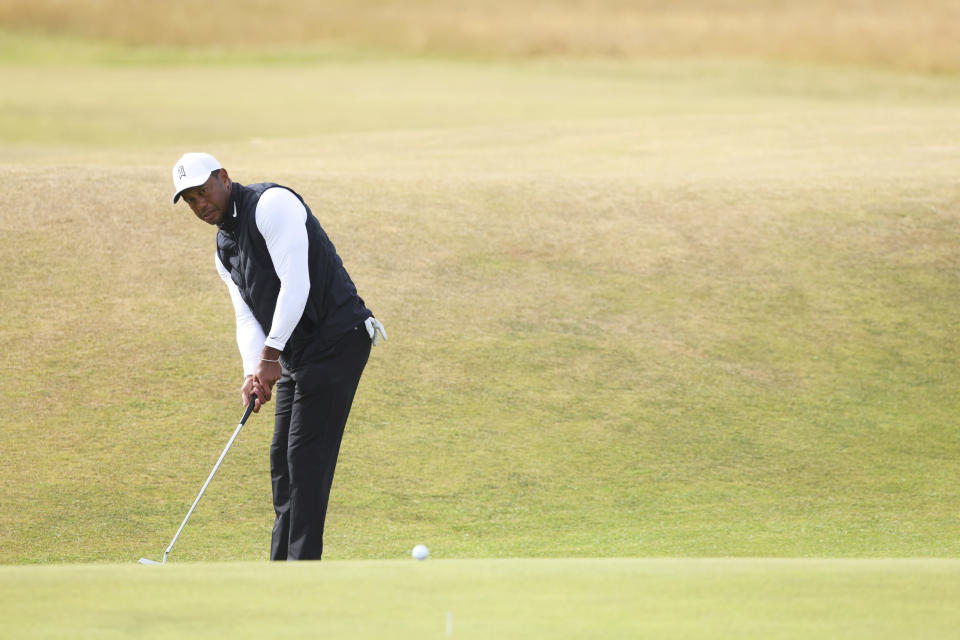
x=420 y=552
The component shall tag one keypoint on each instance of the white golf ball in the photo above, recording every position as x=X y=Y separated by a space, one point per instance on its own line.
x=420 y=552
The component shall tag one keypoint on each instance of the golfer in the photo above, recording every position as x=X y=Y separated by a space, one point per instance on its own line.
x=301 y=327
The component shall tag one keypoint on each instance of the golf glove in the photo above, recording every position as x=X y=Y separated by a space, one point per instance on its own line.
x=375 y=330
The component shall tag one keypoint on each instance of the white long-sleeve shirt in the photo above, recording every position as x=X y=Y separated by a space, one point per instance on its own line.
x=281 y=219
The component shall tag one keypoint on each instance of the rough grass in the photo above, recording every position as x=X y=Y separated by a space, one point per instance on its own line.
x=891 y=33
x=696 y=298
x=635 y=308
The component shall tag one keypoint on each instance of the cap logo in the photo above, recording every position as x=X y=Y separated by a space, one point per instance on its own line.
x=181 y=172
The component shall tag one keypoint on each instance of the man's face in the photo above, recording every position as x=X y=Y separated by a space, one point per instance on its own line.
x=209 y=200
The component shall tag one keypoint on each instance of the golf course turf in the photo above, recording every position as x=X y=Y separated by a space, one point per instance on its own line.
x=673 y=320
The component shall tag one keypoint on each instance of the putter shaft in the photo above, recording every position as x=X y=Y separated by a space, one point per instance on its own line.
x=243 y=420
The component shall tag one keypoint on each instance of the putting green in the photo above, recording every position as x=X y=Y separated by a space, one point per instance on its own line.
x=576 y=598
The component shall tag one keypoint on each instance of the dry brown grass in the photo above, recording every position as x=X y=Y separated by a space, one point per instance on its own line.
x=922 y=35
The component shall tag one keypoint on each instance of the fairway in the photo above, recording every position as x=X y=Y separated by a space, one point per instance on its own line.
x=613 y=598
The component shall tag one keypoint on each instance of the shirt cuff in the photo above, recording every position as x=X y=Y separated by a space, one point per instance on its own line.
x=274 y=344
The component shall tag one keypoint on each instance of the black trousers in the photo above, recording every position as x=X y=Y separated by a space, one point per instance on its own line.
x=313 y=402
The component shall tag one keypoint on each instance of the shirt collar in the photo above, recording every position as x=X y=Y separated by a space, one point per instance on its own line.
x=230 y=222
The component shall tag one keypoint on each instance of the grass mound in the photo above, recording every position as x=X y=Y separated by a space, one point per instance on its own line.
x=639 y=305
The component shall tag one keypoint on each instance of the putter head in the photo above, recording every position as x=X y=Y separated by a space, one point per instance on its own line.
x=147 y=561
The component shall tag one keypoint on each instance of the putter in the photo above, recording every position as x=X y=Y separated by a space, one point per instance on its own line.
x=246 y=414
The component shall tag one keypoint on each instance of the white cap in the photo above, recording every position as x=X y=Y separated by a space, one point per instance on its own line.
x=192 y=170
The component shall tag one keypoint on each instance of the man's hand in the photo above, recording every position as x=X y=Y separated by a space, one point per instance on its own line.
x=247 y=390
x=266 y=374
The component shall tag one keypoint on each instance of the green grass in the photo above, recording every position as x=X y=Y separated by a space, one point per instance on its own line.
x=696 y=300
x=636 y=307
x=614 y=598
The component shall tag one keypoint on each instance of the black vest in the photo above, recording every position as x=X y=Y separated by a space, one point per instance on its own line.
x=333 y=306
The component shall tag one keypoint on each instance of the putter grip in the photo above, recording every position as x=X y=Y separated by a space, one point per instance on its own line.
x=246 y=414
